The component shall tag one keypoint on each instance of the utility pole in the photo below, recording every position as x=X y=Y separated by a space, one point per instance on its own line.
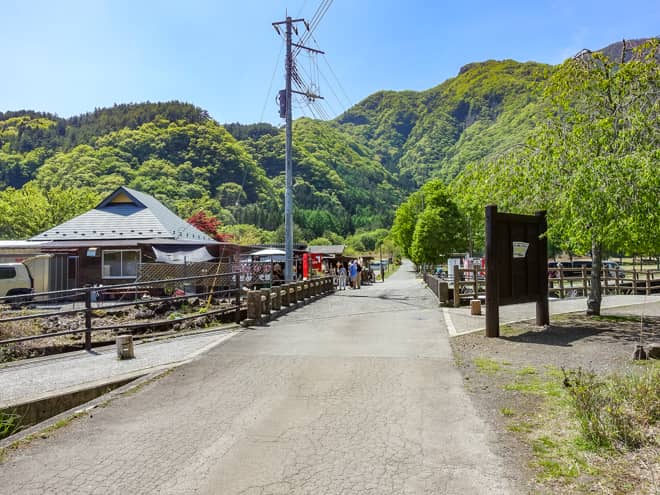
x=285 y=111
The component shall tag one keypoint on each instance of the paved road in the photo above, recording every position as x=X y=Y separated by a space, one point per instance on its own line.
x=31 y=379
x=354 y=394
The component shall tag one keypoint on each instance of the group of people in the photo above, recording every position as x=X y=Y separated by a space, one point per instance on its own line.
x=351 y=272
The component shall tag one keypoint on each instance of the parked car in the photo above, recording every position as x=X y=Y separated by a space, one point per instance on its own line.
x=574 y=268
x=15 y=280
x=614 y=270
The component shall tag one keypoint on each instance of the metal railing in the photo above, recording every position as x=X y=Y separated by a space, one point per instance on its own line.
x=224 y=286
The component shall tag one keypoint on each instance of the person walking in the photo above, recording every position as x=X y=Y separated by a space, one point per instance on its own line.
x=342 y=277
x=358 y=278
x=352 y=271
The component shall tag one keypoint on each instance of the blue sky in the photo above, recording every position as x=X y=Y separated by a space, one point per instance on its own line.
x=71 y=56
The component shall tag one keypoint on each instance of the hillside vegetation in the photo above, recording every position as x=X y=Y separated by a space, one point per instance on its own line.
x=350 y=173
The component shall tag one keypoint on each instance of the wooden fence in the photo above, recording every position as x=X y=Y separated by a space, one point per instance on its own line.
x=574 y=282
x=466 y=284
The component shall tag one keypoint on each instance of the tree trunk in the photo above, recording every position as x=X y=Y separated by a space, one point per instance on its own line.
x=595 y=296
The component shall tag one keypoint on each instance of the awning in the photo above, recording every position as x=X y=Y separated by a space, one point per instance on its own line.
x=178 y=254
x=268 y=252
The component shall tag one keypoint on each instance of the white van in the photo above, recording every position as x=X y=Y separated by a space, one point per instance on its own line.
x=15 y=279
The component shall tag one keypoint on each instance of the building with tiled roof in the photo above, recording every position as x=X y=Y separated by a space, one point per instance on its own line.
x=107 y=243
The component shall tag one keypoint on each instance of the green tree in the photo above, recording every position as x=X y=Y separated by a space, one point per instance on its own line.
x=599 y=152
x=30 y=210
x=429 y=225
x=405 y=220
x=592 y=164
x=247 y=235
x=438 y=233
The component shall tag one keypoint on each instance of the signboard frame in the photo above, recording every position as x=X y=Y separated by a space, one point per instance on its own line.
x=516 y=264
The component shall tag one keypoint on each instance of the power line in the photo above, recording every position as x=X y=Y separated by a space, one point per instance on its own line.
x=341 y=87
x=272 y=79
x=316 y=19
x=292 y=74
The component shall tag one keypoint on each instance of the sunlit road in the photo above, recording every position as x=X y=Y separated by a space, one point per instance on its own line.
x=353 y=394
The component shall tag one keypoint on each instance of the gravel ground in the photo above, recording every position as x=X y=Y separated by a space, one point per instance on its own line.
x=505 y=378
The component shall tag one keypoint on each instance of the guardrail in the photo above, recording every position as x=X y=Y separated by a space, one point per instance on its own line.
x=264 y=304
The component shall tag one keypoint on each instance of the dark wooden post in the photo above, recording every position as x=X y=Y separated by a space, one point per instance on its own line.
x=617 y=284
x=237 y=302
x=584 y=281
x=492 y=296
x=457 y=286
x=542 y=305
x=88 y=318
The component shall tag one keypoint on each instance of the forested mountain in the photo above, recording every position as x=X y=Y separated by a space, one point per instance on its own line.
x=190 y=162
x=351 y=172
x=486 y=109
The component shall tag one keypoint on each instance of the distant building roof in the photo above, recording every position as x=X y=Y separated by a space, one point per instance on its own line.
x=126 y=214
x=5 y=244
x=336 y=249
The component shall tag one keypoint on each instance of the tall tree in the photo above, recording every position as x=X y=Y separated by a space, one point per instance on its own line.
x=592 y=164
x=30 y=210
x=599 y=151
x=429 y=225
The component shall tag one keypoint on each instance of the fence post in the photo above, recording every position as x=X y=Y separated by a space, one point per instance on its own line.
x=237 y=316
x=584 y=281
x=648 y=282
x=476 y=283
x=276 y=301
x=457 y=286
x=254 y=305
x=88 y=317
x=265 y=293
x=634 y=282
x=617 y=284
x=562 y=294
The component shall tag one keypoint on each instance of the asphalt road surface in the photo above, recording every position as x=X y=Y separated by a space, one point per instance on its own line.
x=353 y=394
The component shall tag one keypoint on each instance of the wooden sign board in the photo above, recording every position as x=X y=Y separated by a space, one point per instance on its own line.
x=516 y=264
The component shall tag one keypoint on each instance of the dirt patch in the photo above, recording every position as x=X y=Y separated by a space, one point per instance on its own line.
x=517 y=384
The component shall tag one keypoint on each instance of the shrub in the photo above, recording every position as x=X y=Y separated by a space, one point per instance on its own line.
x=618 y=411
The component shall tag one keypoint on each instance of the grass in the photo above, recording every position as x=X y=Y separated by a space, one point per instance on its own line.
x=45 y=433
x=536 y=386
x=584 y=422
x=487 y=366
x=10 y=422
x=616 y=318
x=521 y=427
x=618 y=411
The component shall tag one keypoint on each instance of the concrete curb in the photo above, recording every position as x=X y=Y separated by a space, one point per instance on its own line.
x=451 y=329
x=135 y=380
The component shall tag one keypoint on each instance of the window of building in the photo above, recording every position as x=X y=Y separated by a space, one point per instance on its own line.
x=121 y=264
